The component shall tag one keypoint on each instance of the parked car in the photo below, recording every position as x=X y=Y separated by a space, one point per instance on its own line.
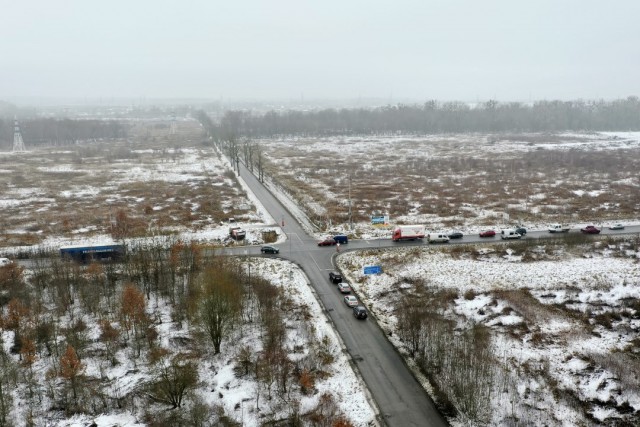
x=327 y=242
x=351 y=301
x=359 y=312
x=455 y=235
x=487 y=233
x=269 y=250
x=617 y=227
x=590 y=229
x=344 y=287
x=4 y=262
x=335 y=277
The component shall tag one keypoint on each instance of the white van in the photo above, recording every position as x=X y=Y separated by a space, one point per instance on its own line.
x=4 y=261
x=510 y=234
x=437 y=238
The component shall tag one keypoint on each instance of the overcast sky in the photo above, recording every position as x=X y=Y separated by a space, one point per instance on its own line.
x=324 y=49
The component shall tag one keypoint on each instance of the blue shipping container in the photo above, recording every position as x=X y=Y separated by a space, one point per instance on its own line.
x=85 y=254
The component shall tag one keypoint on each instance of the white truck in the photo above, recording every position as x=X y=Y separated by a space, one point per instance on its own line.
x=510 y=233
x=559 y=228
x=437 y=238
x=408 y=232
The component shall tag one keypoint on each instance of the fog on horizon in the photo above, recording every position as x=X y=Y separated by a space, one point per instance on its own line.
x=464 y=50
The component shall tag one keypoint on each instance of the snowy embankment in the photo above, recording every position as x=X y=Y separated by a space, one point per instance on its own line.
x=548 y=320
x=343 y=383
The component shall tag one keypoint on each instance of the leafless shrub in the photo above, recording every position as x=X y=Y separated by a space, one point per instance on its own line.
x=469 y=294
x=624 y=366
x=607 y=318
x=269 y=236
x=526 y=305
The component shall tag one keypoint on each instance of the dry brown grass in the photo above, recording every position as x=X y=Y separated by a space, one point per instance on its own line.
x=462 y=173
x=78 y=190
x=527 y=306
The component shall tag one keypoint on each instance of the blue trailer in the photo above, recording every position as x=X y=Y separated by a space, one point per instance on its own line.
x=86 y=254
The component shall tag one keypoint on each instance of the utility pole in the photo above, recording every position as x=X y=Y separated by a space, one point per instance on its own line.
x=350 y=217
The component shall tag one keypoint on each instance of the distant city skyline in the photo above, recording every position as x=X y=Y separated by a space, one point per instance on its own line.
x=302 y=51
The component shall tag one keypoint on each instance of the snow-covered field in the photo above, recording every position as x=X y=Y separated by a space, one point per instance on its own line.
x=564 y=323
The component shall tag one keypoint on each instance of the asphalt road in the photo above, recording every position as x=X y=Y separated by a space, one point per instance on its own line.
x=400 y=398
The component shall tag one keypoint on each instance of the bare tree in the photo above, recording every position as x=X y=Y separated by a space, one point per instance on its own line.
x=221 y=301
x=173 y=379
x=134 y=316
x=71 y=369
x=7 y=371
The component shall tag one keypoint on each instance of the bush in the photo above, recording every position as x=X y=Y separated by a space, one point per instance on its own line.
x=469 y=294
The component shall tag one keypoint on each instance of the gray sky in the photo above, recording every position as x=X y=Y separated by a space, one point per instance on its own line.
x=323 y=49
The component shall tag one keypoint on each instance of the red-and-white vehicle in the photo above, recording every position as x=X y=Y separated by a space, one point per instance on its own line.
x=237 y=233
x=408 y=232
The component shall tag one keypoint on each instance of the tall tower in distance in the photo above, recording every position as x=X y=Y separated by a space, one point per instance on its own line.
x=18 y=143
x=174 y=127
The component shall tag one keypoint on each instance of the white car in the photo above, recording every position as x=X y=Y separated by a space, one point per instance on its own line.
x=351 y=301
x=5 y=261
x=617 y=227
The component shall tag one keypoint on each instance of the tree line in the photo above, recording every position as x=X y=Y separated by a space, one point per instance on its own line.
x=434 y=117
x=60 y=132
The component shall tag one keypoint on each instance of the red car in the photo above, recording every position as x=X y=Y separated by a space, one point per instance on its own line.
x=327 y=242
x=590 y=229
x=488 y=233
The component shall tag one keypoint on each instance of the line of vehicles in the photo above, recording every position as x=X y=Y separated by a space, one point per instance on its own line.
x=115 y=252
x=415 y=232
x=358 y=310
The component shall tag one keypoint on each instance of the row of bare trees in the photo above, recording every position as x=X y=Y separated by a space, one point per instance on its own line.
x=457 y=360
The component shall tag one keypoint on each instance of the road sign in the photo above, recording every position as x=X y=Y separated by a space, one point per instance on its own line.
x=373 y=269
x=379 y=219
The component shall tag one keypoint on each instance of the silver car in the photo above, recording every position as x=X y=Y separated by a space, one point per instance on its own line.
x=344 y=287
x=351 y=301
